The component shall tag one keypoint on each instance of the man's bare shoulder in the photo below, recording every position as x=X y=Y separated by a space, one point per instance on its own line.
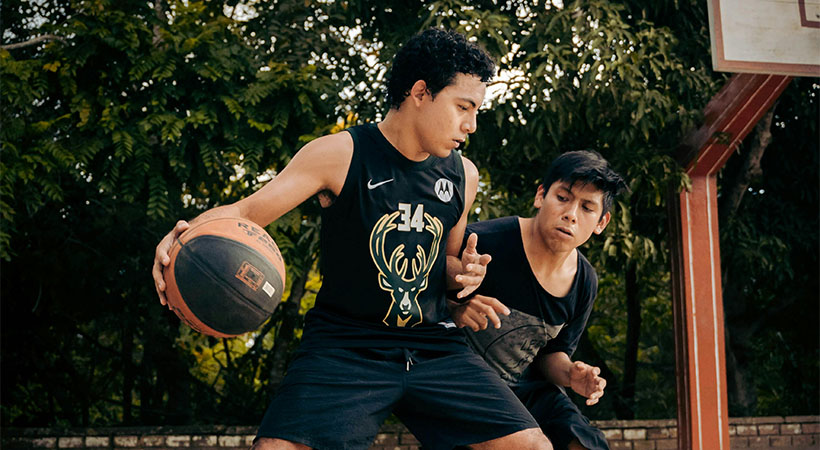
x=336 y=147
x=470 y=170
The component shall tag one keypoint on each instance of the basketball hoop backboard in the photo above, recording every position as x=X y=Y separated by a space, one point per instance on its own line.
x=766 y=36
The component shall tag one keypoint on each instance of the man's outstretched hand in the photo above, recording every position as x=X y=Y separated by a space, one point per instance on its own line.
x=473 y=267
x=585 y=381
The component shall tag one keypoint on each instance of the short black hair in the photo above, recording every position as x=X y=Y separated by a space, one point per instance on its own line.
x=435 y=56
x=586 y=166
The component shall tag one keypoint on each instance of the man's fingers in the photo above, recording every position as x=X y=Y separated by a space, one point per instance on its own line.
x=473 y=323
x=472 y=241
x=485 y=259
x=161 y=258
x=469 y=282
x=479 y=312
x=476 y=269
x=579 y=368
x=493 y=318
x=489 y=304
x=159 y=280
x=490 y=307
x=465 y=292
x=495 y=304
x=181 y=226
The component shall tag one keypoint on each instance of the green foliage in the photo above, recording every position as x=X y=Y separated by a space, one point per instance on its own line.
x=134 y=118
x=140 y=114
x=769 y=253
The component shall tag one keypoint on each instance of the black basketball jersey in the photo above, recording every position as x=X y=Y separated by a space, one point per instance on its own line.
x=538 y=320
x=383 y=244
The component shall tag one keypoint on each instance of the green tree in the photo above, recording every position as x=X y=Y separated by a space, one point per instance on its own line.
x=119 y=118
x=136 y=115
x=769 y=250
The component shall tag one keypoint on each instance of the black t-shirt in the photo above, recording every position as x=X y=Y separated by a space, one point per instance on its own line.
x=537 y=319
x=383 y=251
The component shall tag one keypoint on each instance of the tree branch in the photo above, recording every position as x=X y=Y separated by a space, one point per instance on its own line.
x=161 y=16
x=750 y=167
x=33 y=41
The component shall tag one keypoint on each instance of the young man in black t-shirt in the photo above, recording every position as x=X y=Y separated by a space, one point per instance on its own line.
x=395 y=203
x=545 y=286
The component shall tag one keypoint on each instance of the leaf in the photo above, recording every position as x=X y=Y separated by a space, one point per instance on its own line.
x=52 y=67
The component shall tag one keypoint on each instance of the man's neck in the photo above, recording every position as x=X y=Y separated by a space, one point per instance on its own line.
x=398 y=129
x=554 y=270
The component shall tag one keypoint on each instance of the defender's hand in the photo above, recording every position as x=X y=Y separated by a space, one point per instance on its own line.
x=585 y=381
x=473 y=267
x=478 y=312
x=161 y=258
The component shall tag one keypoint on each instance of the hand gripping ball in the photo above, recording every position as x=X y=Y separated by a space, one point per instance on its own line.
x=225 y=278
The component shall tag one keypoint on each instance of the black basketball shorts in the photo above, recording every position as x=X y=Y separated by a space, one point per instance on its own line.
x=338 y=399
x=558 y=416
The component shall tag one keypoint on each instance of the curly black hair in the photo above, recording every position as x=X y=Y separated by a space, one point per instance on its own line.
x=435 y=56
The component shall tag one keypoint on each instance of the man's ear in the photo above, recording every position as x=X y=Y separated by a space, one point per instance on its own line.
x=418 y=91
x=602 y=223
x=539 y=196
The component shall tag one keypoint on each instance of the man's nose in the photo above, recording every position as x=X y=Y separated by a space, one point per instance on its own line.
x=469 y=125
x=571 y=213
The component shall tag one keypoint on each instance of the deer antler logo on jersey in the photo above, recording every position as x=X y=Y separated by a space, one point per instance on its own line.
x=404 y=310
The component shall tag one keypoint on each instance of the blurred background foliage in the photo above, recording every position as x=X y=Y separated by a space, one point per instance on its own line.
x=119 y=118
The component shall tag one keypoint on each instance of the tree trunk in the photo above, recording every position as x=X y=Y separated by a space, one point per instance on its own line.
x=742 y=395
x=128 y=374
x=633 y=335
x=738 y=326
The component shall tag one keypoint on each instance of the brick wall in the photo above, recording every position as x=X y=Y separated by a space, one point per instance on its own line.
x=796 y=433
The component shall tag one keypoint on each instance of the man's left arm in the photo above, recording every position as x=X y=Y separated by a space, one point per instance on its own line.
x=580 y=376
x=554 y=362
x=465 y=270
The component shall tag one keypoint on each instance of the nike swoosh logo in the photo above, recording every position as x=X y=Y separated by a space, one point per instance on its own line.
x=371 y=185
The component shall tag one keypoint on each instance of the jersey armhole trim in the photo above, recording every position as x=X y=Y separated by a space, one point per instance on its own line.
x=352 y=175
x=462 y=184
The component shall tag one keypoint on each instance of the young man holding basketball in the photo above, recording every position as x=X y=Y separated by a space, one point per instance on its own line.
x=545 y=287
x=380 y=338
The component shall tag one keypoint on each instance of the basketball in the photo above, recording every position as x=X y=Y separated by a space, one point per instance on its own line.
x=225 y=278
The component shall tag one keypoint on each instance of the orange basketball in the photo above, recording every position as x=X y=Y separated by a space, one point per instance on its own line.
x=225 y=278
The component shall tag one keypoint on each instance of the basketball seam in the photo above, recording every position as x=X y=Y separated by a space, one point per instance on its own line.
x=275 y=251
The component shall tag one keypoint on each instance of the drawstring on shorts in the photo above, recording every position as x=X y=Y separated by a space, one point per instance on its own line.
x=408 y=359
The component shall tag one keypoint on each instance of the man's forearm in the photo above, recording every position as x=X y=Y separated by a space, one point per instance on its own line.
x=555 y=367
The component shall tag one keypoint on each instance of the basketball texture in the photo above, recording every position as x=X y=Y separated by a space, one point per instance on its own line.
x=225 y=278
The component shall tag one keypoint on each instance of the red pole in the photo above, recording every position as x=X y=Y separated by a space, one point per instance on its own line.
x=703 y=416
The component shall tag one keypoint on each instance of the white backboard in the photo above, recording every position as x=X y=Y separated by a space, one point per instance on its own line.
x=766 y=36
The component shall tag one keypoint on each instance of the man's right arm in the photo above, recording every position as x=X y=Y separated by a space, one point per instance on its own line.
x=319 y=165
